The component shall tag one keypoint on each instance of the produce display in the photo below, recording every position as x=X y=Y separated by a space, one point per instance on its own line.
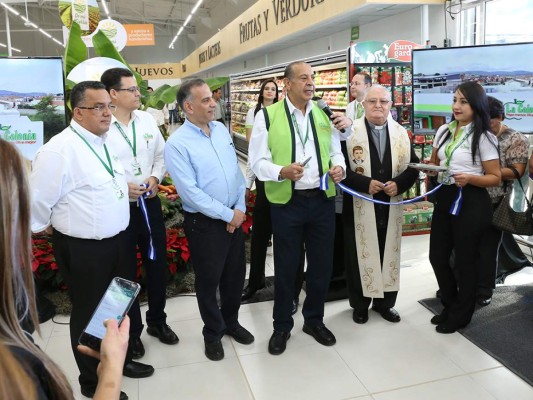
x=330 y=85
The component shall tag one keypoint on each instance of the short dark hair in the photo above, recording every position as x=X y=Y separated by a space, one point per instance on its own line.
x=77 y=94
x=289 y=69
x=184 y=92
x=367 y=78
x=112 y=77
x=496 y=108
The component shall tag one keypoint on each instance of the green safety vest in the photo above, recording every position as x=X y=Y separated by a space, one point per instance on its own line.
x=282 y=147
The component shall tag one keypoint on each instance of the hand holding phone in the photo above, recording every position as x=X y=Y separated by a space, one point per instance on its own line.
x=115 y=304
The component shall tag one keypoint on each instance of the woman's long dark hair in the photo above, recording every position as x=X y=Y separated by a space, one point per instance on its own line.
x=261 y=97
x=477 y=98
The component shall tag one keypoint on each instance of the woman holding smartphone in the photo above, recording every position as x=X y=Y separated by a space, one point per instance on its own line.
x=26 y=372
x=463 y=209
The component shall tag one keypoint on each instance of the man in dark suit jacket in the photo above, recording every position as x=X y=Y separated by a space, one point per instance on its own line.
x=372 y=232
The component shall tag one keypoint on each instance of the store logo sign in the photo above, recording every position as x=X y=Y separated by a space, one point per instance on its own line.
x=400 y=50
x=518 y=109
x=17 y=137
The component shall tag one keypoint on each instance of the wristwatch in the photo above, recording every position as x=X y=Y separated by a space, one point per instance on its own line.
x=280 y=178
x=156 y=179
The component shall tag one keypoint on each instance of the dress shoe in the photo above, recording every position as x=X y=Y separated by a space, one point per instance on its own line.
x=389 y=314
x=294 y=307
x=90 y=394
x=240 y=334
x=249 y=292
x=440 y=318
x=214 y=350
x=136 y=348
x=360 y=317
x=134 y=369
x=321 y=334
x=443 y=328
x=164 y=333
x=278 y=342
x=483 y=300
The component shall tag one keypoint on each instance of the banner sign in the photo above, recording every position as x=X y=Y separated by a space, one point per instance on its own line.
x=140 y=34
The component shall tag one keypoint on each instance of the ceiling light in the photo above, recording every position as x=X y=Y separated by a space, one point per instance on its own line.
x=10 y=9
x=196 y=6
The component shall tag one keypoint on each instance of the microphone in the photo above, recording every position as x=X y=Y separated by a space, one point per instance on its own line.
x=324 y=107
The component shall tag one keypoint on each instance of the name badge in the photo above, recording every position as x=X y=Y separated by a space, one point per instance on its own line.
x=118 y=190
x=136 y=167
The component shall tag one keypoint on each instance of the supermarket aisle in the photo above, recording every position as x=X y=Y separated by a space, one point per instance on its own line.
x=378 y=360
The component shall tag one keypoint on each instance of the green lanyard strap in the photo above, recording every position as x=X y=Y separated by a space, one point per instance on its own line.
x=297 y=127
x=109 y=167
x=454 y=144
x=127 y=139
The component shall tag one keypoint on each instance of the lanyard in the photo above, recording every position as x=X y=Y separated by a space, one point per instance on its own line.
x=297 y=127
x=454 y=145
x=127 y=139
x=109 y=167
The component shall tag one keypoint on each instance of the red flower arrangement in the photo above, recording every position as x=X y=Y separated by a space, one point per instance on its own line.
x=246 y=225
x=44 y=265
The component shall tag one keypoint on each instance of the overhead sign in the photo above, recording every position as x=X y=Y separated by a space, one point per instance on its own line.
x=140 y=34
x=158 y=71
x=381 y=52
x=85 y=12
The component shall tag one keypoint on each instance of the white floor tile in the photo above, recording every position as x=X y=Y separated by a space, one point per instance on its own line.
x=306 y=372
x=458 y=388
x=503 y=384
x=206 y=380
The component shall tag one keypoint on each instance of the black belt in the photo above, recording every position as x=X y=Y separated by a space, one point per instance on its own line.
x=307 y=192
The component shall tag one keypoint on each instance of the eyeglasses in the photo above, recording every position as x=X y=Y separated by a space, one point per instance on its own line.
x=100 y=109
x=374 y=102
x=132 y=89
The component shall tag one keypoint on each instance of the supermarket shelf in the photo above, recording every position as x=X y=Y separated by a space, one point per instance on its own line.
x=238 y=112
x=413 y=233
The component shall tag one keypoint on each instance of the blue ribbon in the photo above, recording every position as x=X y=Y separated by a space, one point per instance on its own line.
x=365 y=197
x=144 y=210
x=457 y=203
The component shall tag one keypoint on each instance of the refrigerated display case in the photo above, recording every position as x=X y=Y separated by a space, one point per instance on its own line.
x=331 y=84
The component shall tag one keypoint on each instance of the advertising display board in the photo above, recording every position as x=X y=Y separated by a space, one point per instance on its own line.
x=32 y=101
x=505 y=71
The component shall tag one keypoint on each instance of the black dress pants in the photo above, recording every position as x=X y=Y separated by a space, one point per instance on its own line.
x=156 y=270
x=261 y=233
x=218 y=260
x=462 y=233
x=309 y=217
x=88 y=266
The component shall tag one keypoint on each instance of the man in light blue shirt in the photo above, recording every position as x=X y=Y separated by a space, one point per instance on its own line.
x=201 y=159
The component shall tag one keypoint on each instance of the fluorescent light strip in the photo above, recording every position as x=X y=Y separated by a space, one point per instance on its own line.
x=10 y=9
x=12 y=48
x=106 y=10
x=187 y=20
x=196 y=6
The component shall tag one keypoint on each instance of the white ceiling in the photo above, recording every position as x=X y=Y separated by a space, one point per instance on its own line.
x=169 y=15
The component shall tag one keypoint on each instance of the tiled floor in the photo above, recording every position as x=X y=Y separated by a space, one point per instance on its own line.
x=378 y=360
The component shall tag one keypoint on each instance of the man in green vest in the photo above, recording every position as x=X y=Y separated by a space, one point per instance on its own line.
x=293 y=146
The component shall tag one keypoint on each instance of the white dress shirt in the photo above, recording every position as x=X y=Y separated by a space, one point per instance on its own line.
x=261 y=157
x=150 y=147
x=73 y=191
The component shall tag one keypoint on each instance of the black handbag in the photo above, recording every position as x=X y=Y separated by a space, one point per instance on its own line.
x=508 y=220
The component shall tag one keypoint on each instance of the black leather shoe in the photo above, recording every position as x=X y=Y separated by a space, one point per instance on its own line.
x=443 y=328
x=278 y=342
x=440 y=318
x=164 y=333
x=389 y=314
x=249 y=292
x=294 y=307
x=240 y=334
x=360 y=317
x=134 y=369
x=136 y=348
x=90 y=394
x=321 y=334
x=214 y=350
x=483 y=300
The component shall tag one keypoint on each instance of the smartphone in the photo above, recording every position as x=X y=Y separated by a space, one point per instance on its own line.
x=304 y=163
x=115 y=304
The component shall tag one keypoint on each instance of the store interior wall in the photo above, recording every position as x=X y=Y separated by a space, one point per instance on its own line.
x=406 y=26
